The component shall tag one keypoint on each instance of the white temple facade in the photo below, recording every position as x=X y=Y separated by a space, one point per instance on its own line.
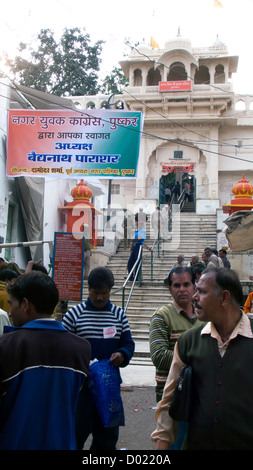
x=196 y=128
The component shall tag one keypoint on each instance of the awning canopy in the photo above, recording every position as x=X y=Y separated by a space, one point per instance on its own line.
x=239 y=231
x=23 y=97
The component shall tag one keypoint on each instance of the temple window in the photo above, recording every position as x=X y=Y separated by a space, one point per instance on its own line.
x=137 y=77
x=177 y=72
x=219 y=76
x=77 y=105
x=154 y=77
x=119 y=104
x=202 y=76
x=115 y=188
x=90 y=105
x=240 y=105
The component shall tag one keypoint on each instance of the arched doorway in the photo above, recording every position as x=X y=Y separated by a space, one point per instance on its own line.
x=177 y=72
x=182 y=180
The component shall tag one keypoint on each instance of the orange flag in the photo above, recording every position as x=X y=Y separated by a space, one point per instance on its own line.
x=217 y=4
x=154 y=43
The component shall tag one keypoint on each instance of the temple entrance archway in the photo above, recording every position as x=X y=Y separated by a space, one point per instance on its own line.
x=168 y=164
x=182 y=180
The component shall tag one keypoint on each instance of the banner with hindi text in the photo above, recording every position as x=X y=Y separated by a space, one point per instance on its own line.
x=69 y=143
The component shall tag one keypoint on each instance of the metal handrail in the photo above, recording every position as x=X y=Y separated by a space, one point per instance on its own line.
x=155 y=246
x=181 y=195
x=181 y=200
x=24 y=244
x=137 y=274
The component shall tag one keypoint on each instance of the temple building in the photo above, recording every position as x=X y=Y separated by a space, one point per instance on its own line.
x=196 y=129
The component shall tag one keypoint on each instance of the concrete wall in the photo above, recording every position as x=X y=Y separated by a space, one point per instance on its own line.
x=4 y=196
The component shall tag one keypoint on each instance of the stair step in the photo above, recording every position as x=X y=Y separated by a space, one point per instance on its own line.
x=143 y=353
x=141 y=332
x=139 y=336
x=137 y=304
x=138 y=361
x=132 y=319
x=140 y=322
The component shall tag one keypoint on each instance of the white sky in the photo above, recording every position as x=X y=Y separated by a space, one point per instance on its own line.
x=115 y=20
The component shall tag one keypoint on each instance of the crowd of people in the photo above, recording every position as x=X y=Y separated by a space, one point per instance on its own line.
x=173 y=191
x=46 y=401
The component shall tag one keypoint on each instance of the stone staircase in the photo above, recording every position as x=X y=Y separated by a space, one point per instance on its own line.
x=192 y=235
x=189 y=206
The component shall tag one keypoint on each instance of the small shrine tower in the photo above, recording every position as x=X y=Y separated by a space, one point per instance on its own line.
x=81 y=213
x=242 y=201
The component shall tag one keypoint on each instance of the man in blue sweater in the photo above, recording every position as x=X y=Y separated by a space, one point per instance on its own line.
x=106 y=327
x=42 y=369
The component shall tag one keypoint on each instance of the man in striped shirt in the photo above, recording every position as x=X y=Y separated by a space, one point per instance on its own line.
x=106 y=328
x=169 y=322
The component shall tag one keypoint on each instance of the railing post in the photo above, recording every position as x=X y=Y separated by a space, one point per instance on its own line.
x=140 y=270
x=123 y=298
x=152 y=260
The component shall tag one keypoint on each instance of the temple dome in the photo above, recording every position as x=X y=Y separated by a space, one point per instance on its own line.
x=178 y=43
x=81 y=191
x=243 y=189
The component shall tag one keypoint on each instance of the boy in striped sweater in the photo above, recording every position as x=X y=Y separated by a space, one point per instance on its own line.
x=106 y=328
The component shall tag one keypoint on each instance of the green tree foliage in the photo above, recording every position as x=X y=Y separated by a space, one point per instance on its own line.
x=67 y=67
x=114 y=82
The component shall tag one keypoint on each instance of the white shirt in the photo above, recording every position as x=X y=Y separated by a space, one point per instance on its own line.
x=4 y=320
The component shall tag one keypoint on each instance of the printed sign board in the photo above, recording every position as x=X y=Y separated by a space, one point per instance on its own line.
x=65 y=143
x=68 y=265
x=178 y=85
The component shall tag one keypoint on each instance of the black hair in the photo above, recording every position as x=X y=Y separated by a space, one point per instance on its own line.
x=38 y=288
x=227 y=279
x=39 y=267
x=179 y=270
x=8 y=274
x=100 y=277
x=198 y=270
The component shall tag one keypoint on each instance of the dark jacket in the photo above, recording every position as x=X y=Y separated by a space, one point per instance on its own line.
x=222 y=407
x=42 y=369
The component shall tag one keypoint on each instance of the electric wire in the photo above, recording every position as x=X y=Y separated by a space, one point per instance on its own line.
x=175 y=123
x=171 y=68
x=170 y=120
x=145 y=134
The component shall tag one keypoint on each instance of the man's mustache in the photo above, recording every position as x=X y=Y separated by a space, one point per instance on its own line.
x=196 y=305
